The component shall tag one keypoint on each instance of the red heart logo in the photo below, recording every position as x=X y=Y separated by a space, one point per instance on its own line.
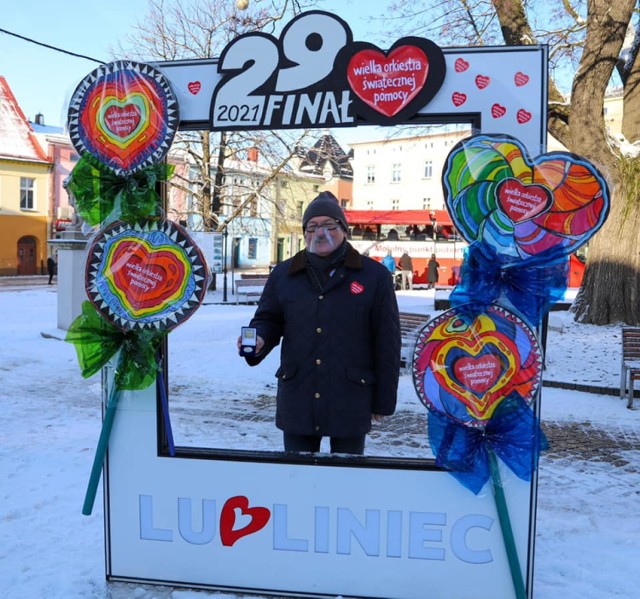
x=356 y=288
x=479 y=373
x=122 y=121
x=523 y=116
x=458 y=98
x=461 y=65
x=482 y=81
x=388 y=83
x=259 y=517
x=521 y=79
x=144 y=276
x=522 y=202
x=194 y=87
x=498 y=111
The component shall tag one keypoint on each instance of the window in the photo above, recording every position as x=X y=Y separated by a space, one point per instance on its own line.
x=428 y=169
x=27 y=195
x=371 y=174
x=395 y=204
x=299 y=209
x=426 y=203
x=396 y=172
x=252 y=252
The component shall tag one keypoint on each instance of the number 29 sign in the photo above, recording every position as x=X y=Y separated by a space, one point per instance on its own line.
x=315 y=75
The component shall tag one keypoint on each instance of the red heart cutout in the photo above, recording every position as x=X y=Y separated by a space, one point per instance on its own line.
x=388 y=83
x=521 y=79
x=194 y=87
x=259 y=518
x=122 y=121
x=146 y=277
x=498 y=111
x=482 y=81
x=461 y=65
x=458 y=98
x=356 y=288
x=522 y=202
x=478 y=373
x=523 y=116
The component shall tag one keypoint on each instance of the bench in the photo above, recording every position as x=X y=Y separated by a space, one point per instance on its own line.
x=410 y=326
x=250 y=289
x=630 y=364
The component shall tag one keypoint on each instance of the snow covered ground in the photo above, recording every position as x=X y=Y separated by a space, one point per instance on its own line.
x=588 y=528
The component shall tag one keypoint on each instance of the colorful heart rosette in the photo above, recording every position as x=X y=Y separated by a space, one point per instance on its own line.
x=124 y=114
x=523 y=207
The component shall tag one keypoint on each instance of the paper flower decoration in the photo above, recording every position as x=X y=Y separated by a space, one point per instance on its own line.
x=496 y=193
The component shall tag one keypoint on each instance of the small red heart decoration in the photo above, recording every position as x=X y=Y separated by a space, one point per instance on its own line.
x=460 y=65
x=374 y=79
x=478 y=373
x=482 y=81
x=356 y=288
x=498 y=111
x=194 y=87
x=259 y=518
x=521 y=79
x=522 y=202
x=458 y=98
x=523 y=116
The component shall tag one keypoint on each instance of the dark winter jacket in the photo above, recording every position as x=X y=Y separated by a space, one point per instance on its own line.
x=340 y=355
x=432 y=274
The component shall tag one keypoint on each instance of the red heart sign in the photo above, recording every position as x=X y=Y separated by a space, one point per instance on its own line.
x=522 y=202
x=478 y=373
x=458 y=98
x=194 y=87
x=523 y=116
x=521 y=79
x=259 y=516
x=498 y=111
x=482 y=81
x=122 y=121
x=461 y=65
x=388 y=83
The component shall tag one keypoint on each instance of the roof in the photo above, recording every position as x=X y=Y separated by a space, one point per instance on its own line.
x=396 y=217
x=326 y=152
x=17 y=139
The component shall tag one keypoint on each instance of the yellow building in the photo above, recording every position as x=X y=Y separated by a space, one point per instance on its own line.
x=24 y=192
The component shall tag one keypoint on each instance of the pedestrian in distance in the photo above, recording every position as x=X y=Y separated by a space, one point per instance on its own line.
x=406 y=267
x=432 y=272
x=335 y=314
x=389 y=262
x=51 y=268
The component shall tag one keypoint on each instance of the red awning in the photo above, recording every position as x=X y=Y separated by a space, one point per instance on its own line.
x=396 y=217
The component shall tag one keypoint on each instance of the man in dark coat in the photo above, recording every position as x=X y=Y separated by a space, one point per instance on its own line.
x=337 y=316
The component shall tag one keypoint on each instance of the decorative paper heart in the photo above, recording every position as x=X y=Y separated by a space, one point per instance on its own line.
x=194 y=87
x=125 y=114
x=150 y=275
x=391 y=86
x=522 y=202
x=498 y=111
x=458 y=98
x=461 y=65
x=259 y=517
x=523 y=116
x=521 y=79
x=465 y=368
x=482 y=81
x=356 y=288
x=565 y=200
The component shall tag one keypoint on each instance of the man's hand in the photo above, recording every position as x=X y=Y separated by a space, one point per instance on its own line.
x=259 y=345
x=377 y=417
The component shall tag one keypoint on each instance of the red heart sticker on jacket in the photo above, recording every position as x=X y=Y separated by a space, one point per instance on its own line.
x=259 y=517
x=356 y=288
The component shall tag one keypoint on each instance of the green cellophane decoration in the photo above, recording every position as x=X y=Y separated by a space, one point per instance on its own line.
x=97 y=341
x=100 y=195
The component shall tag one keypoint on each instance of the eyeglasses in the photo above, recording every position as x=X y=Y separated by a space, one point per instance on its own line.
x=325 y=226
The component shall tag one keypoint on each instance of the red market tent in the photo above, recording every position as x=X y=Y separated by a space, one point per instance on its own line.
x=396 y=217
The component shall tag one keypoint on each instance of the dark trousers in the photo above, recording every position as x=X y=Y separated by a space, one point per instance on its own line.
x=311 y=443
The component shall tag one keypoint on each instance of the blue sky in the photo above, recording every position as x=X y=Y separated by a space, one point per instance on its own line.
x=44 y=80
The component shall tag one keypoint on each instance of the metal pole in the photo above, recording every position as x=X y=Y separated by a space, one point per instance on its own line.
x=224 y=266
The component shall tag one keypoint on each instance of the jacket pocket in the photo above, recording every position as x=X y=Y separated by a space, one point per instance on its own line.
x=361 y=376
x=286 y=372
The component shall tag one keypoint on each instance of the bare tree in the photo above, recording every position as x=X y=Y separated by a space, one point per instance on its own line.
x=592 y=45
